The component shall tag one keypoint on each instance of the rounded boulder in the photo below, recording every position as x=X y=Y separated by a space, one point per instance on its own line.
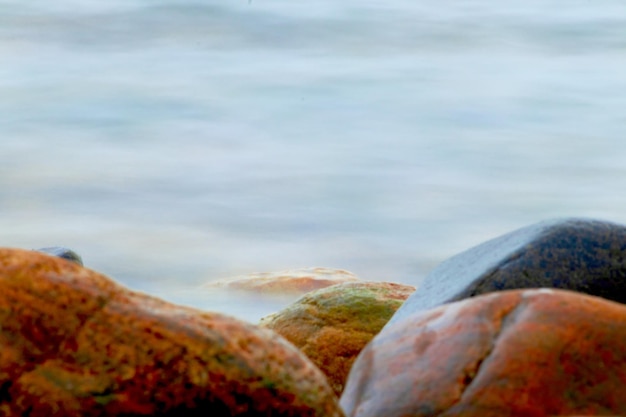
x=332 y=325
x=521 y=353
x=576 y=254
x=74 y=342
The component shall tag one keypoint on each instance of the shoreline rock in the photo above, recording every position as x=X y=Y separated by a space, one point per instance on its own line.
x=75 y=342
x=518 y=353
x=332 y=325
x=583 y=255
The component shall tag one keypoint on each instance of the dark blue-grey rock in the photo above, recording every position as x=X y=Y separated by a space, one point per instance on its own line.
x=64 y=253
x=588 y=256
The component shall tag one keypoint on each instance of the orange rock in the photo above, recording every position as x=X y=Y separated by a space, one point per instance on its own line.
x=531 y=353
x=74 y=343
x=296 y=281
x=332 y=325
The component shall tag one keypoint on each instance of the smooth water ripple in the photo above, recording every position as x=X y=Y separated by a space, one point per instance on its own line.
x=173 y=143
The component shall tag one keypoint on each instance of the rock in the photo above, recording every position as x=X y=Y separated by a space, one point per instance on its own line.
x=332 y=325
x=522 y=353
x=64 y=253
x=76 y=343
x=295 y=281
x=582 y=255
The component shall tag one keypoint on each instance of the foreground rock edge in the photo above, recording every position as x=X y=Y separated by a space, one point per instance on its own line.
x=332 y=325
x=76 y=343
x=534 y=353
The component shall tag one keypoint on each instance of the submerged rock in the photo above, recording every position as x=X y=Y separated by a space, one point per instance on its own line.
x=582 y=255
x=332 y=325
x=64 y=253
x=522 y=353
x=75 y=343
x=295 y=281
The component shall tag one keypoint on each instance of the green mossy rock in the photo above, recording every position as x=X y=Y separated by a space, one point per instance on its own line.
x=332 y=325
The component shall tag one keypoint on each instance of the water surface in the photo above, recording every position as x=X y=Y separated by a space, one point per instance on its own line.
x=173 y=143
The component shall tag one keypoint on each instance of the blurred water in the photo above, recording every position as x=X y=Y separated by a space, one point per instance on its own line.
x=172 y=143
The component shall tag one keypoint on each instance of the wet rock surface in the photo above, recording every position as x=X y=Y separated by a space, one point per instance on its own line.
x=332 y=325
x=523 y=353
x=582 y=255
x=75 y=343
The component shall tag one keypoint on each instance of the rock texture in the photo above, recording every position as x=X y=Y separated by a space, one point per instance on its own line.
x=74 y=343
x=332 y=325
x=523 y=353
x=582 y=255
x=295 y=281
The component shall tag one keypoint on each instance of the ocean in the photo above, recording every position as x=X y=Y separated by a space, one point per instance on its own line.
x=175 y=143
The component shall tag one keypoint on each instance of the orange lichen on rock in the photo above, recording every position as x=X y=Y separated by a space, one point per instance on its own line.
x=332 y=325
x=75 y=343
x=295 y=281
x=522 y=353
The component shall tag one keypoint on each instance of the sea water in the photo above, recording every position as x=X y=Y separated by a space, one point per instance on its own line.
x=172 y=143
